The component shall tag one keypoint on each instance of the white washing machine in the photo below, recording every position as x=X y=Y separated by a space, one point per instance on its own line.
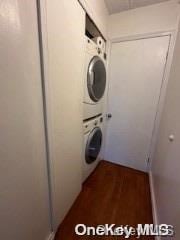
x=94 y=80
x=93 y=140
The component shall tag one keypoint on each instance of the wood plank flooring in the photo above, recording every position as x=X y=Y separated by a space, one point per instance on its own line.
x=111 y=195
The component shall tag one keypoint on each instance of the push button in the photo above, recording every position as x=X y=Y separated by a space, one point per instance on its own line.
x=95 y=122
x=99 y=51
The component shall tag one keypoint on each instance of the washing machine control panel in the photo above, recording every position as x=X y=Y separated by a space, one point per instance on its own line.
x=87 y=126
x=91 y=124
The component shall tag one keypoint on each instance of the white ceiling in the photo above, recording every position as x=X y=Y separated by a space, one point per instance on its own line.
x=115 y=6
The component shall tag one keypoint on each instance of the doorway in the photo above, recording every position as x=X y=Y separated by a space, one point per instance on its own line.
x=136 y=78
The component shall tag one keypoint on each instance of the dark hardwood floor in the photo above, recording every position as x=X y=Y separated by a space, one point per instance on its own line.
x=111 y=195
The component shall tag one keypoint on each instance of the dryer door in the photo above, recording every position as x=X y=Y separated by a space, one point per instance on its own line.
x=96 y=79
x=93 y=145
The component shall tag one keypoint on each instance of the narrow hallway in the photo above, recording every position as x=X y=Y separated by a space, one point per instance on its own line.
x=90 y=119
x=112 y=194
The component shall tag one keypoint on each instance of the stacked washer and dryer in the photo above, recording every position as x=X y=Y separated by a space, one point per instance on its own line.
x=94 y=89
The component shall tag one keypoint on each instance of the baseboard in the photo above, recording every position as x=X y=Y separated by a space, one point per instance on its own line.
x=51 y=237
x=153 y=200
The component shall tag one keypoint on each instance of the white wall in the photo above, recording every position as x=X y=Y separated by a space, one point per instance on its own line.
x=151 y=19
x=63 y=25
x=98 y=12
x=166 y=164
x=24 y=208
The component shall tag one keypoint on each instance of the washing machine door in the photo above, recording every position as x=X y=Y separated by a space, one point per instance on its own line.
x=93 y=145
x=96 y=79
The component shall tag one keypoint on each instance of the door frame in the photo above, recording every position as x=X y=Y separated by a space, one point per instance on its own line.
x=172 y=40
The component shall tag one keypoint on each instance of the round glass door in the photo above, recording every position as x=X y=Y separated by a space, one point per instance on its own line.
x=96 y=79
x=93 y=145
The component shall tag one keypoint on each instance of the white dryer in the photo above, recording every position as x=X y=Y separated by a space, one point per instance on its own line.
x=93 y=139
x=94 y=80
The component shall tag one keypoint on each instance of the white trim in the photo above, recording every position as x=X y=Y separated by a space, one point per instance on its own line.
x=153 y=201
x=51 y=236
x=173 y=37
x=142 y=36
x=109 y=46
x=43 y=13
